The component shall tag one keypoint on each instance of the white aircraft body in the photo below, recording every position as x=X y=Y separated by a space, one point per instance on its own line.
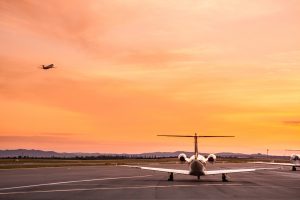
x=294 y=161
x=197 y=163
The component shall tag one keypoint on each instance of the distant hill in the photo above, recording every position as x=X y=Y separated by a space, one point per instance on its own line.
x=50 y=154
x=32 y=153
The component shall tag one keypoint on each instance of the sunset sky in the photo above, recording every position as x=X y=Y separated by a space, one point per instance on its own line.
x=128 y=70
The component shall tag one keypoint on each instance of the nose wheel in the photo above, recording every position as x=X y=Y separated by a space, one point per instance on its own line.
x=224 y=178
x=294 y=168
x=171 y=178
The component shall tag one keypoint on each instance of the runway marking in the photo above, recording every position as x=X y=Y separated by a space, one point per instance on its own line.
x=77 y=181
x=116 y=188
x=291 y=174
x=57 y=167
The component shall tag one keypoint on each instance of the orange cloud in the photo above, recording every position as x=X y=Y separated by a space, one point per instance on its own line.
x=292 y=122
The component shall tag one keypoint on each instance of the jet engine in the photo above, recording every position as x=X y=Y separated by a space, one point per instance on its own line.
x=295 y=157
x=182 y=157
x=211 y=158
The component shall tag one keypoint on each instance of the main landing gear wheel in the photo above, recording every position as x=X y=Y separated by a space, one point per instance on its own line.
x=224 y=178
x=171 y=178
x=294 y=168
x=198 y=178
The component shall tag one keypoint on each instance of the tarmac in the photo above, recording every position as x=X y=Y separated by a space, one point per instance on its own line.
x=116 y=182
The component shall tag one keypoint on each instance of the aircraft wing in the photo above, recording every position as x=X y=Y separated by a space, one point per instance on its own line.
x=175 y=171
x=272 y=163
x=229 y=171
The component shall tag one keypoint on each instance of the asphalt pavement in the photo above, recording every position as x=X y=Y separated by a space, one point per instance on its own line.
x=116 y=182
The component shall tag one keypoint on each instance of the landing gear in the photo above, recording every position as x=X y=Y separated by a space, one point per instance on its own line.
x=171 y=178
x=224 y=178
x=294 y=168
x=198 y=178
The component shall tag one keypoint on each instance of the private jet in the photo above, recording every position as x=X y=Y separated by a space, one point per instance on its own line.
x=294 y=161
x=45 y=67
x=197 y=163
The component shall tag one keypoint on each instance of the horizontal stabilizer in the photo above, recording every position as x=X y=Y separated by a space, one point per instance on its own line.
x=192 y=136
x=292 y=149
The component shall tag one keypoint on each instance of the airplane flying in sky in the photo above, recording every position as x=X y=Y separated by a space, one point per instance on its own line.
x=197 y=163
x=45 y=67
x=294 y=161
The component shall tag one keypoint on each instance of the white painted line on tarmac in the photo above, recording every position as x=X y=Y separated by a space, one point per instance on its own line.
x=116 y=188
x=288 y=174
x=227 y=184
x=57 y=167
x=77 y=181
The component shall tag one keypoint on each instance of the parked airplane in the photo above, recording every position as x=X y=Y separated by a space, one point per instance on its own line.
x=197 y=163
x=294 y=161
x=45 y=67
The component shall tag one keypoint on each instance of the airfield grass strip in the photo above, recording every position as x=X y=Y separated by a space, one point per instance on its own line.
x=38 y=163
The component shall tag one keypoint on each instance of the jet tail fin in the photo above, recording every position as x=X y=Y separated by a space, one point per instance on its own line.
x=196 y=139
